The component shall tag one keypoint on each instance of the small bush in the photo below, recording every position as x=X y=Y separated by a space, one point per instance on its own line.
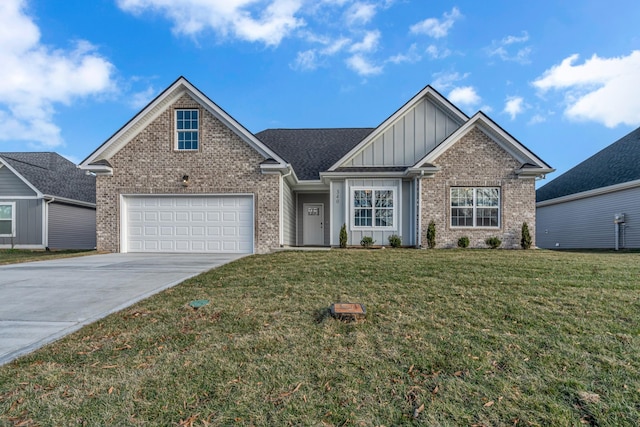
x=525 y=241
x=343 y=236
x=493 y=242
x=463 y=242
x=431 y=235
x=395 y=241
x=367 y=241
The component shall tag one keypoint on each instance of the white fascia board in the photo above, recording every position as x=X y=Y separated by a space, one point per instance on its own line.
x=158 y=106
x=590 y=193
x=21 y=178
x=69 y=201
x=493 y=131
x=429 y=92
x=341 y=175
x=97 y=169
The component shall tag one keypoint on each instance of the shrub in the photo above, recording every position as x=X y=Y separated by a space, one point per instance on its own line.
x=493 y=242
x=367 y=241
x=525 y=241
x=343 y=236
x=395 y=241
x=463 y=242
x=431 y=235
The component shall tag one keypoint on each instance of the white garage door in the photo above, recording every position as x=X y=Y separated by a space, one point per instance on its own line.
x=188 y=224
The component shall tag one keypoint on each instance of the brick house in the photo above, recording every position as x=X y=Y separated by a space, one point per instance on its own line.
x=185 y=176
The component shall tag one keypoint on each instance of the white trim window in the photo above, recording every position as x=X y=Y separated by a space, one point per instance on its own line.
x=374 y=208
x=7 y=219
x=187 y=130
x=475 y=207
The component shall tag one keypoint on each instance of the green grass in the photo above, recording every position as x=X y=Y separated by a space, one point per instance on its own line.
x=452 y=337
x=14 y=256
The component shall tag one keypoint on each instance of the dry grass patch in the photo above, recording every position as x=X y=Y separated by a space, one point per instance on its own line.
x=455 y=337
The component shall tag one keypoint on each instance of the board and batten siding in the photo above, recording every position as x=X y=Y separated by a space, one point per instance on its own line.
x=289 y=216
x=71 y=227
x=409 y=139
x=28 y=223
x=588 y=223
x=11 y=185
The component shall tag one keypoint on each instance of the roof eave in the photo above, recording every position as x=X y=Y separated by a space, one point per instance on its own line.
x=589 y=193
x=66 y=200
x=97 y=169
x=534 y=172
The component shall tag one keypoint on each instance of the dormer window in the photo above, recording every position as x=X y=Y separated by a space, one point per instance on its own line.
x=187 y=127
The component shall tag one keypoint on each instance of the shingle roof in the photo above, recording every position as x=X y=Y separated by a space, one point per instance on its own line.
x=311 y=151
x=616 y=164
x=53 y=175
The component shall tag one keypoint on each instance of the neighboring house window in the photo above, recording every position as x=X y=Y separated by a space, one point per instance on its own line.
x=7 y=219
x=374 y=208
x=187 y=126
x=475 y=207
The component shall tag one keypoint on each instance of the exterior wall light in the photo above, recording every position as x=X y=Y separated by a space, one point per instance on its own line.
x=185 y=180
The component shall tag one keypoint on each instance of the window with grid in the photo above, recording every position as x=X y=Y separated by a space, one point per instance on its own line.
x=373 y=208
x=7 y=219
x=475 y=207
x=187 y=126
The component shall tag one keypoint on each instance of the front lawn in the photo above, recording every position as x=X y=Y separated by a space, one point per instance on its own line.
x=452 y=337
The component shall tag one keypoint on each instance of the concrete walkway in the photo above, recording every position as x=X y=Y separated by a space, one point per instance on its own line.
x=43 y=301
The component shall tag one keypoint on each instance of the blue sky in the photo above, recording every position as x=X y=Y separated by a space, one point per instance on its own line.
x=563 y=77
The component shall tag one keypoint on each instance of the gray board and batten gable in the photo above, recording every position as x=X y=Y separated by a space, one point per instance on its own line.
x=616 y=164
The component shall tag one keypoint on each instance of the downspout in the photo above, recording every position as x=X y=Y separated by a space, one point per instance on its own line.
x=282 y=177
x=45 y=233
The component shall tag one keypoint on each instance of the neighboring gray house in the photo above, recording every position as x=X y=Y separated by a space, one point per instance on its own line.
x=185 y=176
x=45 y=202
x=596 y=204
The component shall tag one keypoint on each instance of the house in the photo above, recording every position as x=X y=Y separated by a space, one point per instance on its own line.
x=45 y=202
x=596 y=204
x=185 y=176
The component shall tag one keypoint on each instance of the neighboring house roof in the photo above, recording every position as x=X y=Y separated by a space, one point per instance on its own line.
x=616 y=164
x=311 y=151
x=52 y=175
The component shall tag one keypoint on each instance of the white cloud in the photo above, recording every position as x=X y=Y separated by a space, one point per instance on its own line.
x=140 y=99
x=363 y=66
x=464 y=96
x=306 y=60
x=437 y=28
x=538 y=118
x=444 y=81
x=514 y=106
x=368 y=44
x=436 y=53
x=411 y=56
x=603 y=90
x=35 y=78
x=243 y=19
x=360 y=13
x=502 y=49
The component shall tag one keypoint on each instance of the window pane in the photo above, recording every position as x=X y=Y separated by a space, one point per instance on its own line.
x=462 y=217
x=487 y=197
x=462 y=197
x=384 y=217
x=5 y=211
x=362 y=198
x=384 y=199
x=487 y=217
x=362 y=217
x=180 y=114
x=5 y=227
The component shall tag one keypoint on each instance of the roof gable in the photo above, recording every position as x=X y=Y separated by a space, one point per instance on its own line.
x=95 y=161
x=531 y=164
x=408 y=134
x=616 y=164
x=52 y=175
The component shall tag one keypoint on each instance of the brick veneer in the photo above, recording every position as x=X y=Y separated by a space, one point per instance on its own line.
x=224 y=164
x=477 y=161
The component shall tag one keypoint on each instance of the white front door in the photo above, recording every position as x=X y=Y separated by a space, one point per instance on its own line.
x=313 y=223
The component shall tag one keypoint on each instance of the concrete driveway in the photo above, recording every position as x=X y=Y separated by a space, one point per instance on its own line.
x=43 y=301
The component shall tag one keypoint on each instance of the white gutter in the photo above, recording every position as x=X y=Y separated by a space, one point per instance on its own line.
x=590 y=193
x=69 y=201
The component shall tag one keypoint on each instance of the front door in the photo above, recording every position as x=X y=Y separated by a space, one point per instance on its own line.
x=313 y=223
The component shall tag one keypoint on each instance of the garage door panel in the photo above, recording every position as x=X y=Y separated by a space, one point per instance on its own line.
x=189 y=224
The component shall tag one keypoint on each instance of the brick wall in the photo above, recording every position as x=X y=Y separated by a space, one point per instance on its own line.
x=477 y=161
x=224 y=164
